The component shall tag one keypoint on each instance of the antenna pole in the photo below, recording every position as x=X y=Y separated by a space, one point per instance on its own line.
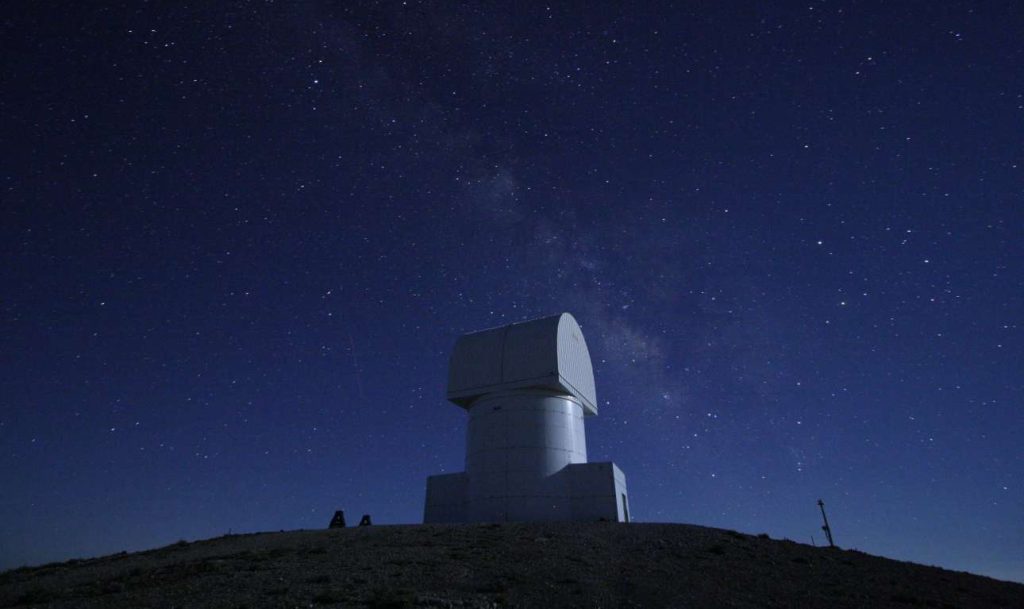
x=826 y=528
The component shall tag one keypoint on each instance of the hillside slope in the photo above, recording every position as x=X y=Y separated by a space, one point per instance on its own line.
x=514 y=565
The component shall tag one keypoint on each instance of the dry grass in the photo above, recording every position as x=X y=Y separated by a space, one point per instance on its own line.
x=509 y=565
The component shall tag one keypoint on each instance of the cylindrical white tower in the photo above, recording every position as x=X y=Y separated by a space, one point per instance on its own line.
x=527 y=388
x=516 y=443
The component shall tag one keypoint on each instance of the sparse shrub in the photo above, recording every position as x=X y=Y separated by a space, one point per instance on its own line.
x=392 y=599
x=502 y=600
x=718 y=549
x=326 y=597
x=906 y=599
x=33 y=596
x=763 y=536
x=205 y=566
x=493 y=587
x=110 y=587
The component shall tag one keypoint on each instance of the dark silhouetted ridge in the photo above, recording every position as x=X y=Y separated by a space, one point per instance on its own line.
x=507 y=565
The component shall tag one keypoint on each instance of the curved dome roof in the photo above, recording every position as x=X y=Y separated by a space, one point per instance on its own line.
x=549 y=353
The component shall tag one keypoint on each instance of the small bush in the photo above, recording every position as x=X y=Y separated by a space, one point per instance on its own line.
x=392 y=599
x=326 y=598
x=905 y=599
x=33 y=596
x=493 y=587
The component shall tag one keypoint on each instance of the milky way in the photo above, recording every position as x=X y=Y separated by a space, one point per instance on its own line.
x=239 y=243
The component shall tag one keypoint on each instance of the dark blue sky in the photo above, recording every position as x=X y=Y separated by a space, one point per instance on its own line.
x=239 y=243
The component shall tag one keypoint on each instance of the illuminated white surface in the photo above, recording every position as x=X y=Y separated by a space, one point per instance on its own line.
x=527 y=388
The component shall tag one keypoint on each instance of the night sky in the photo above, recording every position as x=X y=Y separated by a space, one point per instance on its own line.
x=239 y=242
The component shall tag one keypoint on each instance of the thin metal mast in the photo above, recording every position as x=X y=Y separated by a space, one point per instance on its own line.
x=825 y=527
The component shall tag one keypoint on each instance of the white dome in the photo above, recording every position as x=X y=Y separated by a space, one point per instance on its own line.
x=547 y=353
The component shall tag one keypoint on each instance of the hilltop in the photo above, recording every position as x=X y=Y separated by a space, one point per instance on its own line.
x=500 y=565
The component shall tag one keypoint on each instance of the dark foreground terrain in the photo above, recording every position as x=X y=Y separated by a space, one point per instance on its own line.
x=508 y=565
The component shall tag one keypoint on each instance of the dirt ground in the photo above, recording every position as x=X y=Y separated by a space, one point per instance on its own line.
x=506 y=565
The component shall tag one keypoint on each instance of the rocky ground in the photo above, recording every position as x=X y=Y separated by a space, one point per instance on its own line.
x=507 y=565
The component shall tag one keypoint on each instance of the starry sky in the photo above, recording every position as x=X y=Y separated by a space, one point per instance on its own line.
x=239 y=242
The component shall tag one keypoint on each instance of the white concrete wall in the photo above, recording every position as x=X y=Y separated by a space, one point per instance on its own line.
x=516 y=443
x=534 y=431
x=446 y=498
x=526 y=460
x=527 y=388
x=597 y=490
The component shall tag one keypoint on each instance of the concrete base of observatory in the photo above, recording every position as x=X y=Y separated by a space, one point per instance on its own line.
x=526 y=460
x=579 y=492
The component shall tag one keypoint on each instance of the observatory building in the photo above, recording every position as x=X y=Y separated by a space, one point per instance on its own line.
x=527 y=388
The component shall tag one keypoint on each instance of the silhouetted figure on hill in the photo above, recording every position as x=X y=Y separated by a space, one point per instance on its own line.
x=338 y=522
x=365 y=522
